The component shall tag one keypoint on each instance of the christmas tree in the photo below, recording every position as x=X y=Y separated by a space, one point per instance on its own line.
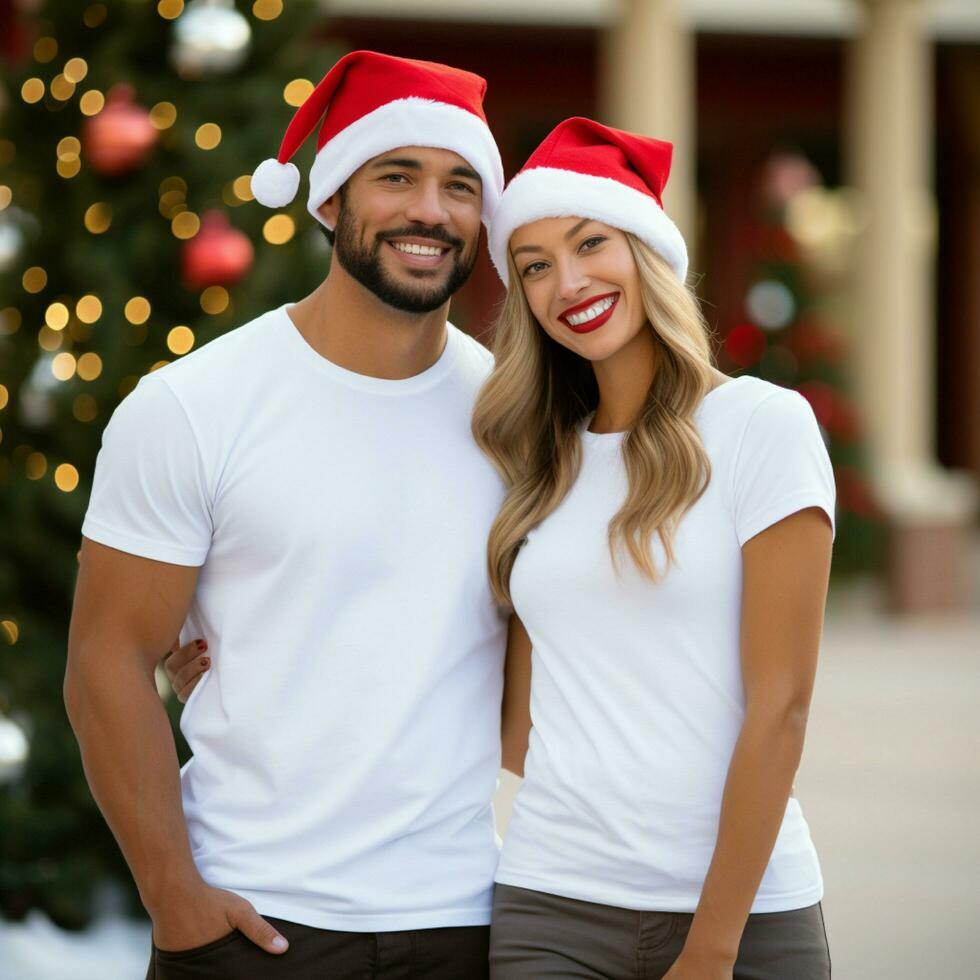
x=128 y=237
x=795 y=253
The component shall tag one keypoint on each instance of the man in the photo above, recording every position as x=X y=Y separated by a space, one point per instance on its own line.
x=305 y=493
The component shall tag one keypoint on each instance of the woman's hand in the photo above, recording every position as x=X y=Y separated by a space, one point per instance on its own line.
x=690 y=966
x=185 y=666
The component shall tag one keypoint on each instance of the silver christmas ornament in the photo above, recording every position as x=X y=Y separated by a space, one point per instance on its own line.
x=210 y=37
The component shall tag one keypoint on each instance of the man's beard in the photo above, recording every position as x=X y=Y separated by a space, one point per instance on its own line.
x=363 y=262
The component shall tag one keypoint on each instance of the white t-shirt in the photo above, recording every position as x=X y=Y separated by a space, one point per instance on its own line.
x=636 y=691
x=346 y=739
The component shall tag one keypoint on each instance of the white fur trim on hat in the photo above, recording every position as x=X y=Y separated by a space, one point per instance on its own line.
x=408 y=122
x=547 y=192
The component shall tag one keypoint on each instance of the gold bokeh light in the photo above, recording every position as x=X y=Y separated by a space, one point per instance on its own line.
x=208 y=136
x=66 y=477
x=185 y=225
x=89 y=366
x=89 y=308
x=279 y=229
x=56 y=316
x=297 y=91
x=163 y=115
x=32 y=90
x=215 y=300
x=180 y=340
x=34 y=279
x=92 y=102
x=63 y=366
x=137 y=310
x=98 y=218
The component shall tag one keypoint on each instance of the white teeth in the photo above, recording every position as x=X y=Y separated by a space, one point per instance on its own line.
x=596 y=309
x=412 y=249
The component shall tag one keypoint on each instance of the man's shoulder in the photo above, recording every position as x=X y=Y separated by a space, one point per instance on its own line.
x=234 y=355
x=474 y=361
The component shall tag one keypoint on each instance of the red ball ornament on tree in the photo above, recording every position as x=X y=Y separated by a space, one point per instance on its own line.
x=218 y=255
x=120 y=137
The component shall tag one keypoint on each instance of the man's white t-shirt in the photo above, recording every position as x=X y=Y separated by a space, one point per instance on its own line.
x=346 y=738
x=636 y=692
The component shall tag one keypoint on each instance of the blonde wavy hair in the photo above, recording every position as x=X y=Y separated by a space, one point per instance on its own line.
x=528 y=415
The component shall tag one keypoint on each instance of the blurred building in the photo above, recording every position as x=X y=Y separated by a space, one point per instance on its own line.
x=880 y=96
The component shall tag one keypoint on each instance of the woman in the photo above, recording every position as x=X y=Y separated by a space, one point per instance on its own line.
x=665 y=545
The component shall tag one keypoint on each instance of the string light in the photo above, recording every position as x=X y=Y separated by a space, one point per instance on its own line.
x=172 y=203
x=63 y=366
x=66 y=477
x=297 y=91
x=170 y=9
x=163 y=115
x=173 y=184
x=88 y=309
x=92 y=102
x=208 y=136
x=68 y=168
x=10 y=321
x=267 y=9
x=84 y=408
x=75 y=70
x=49 y=340
x=137 y=310
x=6 y=196
x=69 y=148
x=45 y=49
x=243 y=187
x=34 y=279
x=98 y=218
x=94 y=14
x=62 y=88
x=215 y=300
x=10 y=630
x=32 y=90
x=36 y=465
x=279 y=229
x=89 y=366
x=4 y=397
x=180 y=340
x=185 y=225
x=56 y=316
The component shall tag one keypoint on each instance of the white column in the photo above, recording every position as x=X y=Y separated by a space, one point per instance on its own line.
x=890 y=144
x=648 y=86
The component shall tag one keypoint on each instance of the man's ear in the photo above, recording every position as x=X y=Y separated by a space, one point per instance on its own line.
x=330 y=209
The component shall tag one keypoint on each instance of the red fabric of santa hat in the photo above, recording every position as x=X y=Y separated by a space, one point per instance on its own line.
x=372 y=103
x=586 y=170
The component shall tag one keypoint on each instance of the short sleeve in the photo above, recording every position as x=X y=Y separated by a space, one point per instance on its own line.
x=149 y=496
x=782 y=465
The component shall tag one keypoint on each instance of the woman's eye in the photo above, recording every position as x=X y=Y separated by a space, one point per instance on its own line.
x=534 y=267
x=592 y=242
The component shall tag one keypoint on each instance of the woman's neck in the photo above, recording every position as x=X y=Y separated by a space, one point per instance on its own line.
x=624 y=381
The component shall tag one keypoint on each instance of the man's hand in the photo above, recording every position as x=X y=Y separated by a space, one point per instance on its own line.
x=186 y=920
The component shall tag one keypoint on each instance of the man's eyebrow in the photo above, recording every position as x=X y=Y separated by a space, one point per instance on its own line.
x=568 y=234
x=466 y=172
x=397 y=162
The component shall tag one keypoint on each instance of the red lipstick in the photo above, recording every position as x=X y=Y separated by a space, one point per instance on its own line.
x=589 y=325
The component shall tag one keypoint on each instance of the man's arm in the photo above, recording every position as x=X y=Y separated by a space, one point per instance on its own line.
x=126 y=613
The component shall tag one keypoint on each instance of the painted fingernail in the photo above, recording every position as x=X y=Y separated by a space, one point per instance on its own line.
x=205 y=662
x=279 y=943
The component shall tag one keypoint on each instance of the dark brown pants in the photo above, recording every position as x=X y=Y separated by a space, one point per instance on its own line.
x=321 y=954
x=536 y=936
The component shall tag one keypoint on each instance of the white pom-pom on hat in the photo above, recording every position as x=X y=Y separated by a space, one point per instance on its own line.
x=274 y=184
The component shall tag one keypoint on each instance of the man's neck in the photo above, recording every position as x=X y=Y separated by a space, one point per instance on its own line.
x=348 y=325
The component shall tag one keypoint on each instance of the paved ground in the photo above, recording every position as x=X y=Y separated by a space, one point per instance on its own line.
x=890 y=784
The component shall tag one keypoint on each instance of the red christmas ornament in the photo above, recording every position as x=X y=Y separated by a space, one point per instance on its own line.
x=120 y=137
x=218 y=255
x=745 y=344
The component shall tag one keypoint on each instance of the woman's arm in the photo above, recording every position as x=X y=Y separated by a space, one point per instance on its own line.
x=515 y=714
x=785 y=572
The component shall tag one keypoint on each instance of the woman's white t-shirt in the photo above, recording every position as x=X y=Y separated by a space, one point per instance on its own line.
x=637 y=698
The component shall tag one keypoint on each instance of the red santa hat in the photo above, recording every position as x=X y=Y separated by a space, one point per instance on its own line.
x=586 y=170
x=371 y=103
